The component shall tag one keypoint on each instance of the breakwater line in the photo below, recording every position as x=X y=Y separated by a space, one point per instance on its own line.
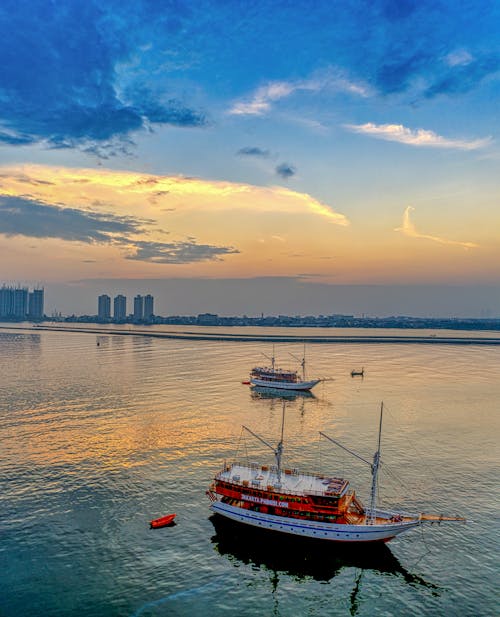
x=432 y=339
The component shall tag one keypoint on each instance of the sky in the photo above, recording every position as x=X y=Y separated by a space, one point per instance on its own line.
x=262 y=156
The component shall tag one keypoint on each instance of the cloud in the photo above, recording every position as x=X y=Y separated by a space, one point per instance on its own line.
x=418 y=137
x=178 y=252
x=285 y=170
x=427 y=48
x=459 y=57
x=408 y=229
x=35 y=219
x=260 y=103
x=61 y=83
x=465 y=71
x=130 y=191
x=20 y=216
x=253 y=151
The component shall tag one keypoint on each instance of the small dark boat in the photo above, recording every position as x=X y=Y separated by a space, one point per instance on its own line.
x=360 y=373
x=162 y=522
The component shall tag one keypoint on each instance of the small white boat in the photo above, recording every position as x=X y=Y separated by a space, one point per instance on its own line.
x=307 y=505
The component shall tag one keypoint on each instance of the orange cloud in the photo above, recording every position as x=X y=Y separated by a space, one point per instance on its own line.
x=408 y=229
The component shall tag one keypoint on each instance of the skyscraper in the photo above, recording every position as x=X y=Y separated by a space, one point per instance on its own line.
x=6 y=301
x=138 y=308
x=35 y=304
x=104 y=308
x=119 y=308
x=20 y=302
x=148 y=307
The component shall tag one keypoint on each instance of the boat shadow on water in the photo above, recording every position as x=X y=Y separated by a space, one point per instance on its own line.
x=303 y=558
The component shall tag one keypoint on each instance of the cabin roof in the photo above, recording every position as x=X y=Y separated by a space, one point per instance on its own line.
x=292 y=480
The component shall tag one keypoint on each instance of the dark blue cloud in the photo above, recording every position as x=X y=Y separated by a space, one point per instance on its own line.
x=60 y=71
x=285 y=170
x=253 y=151
x=461 y=78
x=178 y=252
x=21 y=216
x=417 y=37
x=27 y=217
x=396 y=10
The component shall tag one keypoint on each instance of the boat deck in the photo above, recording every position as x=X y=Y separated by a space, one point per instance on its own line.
x=292 y=482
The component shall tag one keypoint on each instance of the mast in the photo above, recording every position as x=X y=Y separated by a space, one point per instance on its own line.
x=278 y=451
x=375 y=466
x=304 y=364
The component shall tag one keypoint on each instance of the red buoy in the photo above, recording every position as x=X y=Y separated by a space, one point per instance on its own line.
x=162 y=522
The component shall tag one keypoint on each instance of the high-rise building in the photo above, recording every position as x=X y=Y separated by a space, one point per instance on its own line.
x=148 y=307
x=6 y=301
x=138 y=308
x=35 y=304
x=119 y=308
x=20 y=302
x=104 y=308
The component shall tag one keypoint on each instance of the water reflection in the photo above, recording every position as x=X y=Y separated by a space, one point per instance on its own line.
x=303 y=558
x=16 y=344
x=259 y=392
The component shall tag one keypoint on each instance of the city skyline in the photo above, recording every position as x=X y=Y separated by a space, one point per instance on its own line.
x=285 y=153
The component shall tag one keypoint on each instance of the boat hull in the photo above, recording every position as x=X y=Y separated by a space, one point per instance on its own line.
x=285 y=385
x=311 y=529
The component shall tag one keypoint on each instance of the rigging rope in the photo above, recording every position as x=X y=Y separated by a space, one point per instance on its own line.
x=428 y=469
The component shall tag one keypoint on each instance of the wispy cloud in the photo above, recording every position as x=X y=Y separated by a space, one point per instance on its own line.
x=261 y=101
x=416 y=137
x=408 y=229
x=459 y=57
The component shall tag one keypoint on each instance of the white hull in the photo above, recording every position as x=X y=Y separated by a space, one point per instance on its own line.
x=284 y=385
x=311 y=529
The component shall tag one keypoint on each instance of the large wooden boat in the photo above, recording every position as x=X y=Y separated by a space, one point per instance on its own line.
x=282 y=379
x=308 y=505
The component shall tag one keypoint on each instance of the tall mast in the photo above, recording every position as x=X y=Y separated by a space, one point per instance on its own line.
x=272 y=359
x=375 y=466
x=304 y=364
x=278 y=451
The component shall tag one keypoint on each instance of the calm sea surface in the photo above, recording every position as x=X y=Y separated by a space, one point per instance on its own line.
x=100 y=433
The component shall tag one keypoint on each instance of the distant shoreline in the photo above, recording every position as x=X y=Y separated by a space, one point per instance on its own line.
x=276 y=338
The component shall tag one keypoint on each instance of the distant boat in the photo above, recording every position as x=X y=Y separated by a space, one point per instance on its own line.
x=307 y=505
x=163 y=521
x=360 y=373
x=283 y=379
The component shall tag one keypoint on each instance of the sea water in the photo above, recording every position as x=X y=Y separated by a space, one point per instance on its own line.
x=99 y=434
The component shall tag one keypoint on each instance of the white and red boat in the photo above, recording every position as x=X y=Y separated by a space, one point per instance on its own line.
x=308 y=505
x=283 y=379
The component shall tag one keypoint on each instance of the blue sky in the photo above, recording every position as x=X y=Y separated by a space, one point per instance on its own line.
x=350 y=143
